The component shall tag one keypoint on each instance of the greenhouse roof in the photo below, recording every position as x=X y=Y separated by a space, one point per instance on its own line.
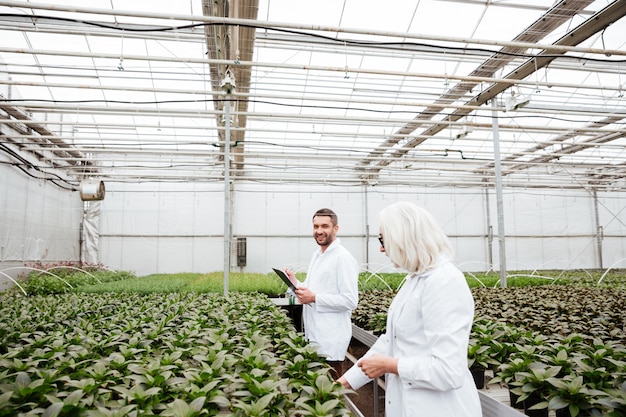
x=353 y=92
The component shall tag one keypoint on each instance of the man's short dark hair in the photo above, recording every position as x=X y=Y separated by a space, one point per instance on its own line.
x=327 y=212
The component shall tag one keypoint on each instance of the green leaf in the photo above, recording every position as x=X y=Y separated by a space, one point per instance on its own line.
x=324 y=384
x=197 y=404
x=561 y=355
x=22 y=380
x=220 y=400
x=178 y=408
x=264 y=401
x=539 y=406
x=53 y=410
x=577 y=383
x=328 y=406
x=126 y=411
x=557 y=402
x=5 y=398
x=74 y=397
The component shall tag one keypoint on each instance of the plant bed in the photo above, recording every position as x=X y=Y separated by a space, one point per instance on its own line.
x=581 y=330
x=365 y=397
x=166 y=354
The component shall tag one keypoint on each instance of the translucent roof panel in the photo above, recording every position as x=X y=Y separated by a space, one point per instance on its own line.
x=352 y=92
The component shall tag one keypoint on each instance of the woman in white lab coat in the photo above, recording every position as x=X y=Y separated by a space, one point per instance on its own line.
x=423 y=353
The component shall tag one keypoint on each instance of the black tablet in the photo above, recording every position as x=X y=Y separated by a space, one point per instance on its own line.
x=285 y=278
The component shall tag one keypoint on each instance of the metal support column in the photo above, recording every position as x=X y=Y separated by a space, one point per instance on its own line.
x=498 y=180
x=489 y=230
x=599 y=229
x=367 y=225
x=228 y=85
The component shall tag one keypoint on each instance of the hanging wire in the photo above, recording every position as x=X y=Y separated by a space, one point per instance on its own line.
x=120 y=66
x=608 y=54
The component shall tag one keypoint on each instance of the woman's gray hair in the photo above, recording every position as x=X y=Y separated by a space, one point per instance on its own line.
x=413 y=239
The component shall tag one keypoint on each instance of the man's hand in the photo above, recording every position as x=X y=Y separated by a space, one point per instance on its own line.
x=292 y=276
x=305 y=295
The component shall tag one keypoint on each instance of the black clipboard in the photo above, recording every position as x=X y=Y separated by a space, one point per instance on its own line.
x=285 y=278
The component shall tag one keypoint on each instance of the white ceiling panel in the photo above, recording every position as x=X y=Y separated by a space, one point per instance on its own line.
x=350 y=92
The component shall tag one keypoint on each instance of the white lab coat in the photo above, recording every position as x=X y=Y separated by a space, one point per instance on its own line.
x=334 y=278
x=428 y=327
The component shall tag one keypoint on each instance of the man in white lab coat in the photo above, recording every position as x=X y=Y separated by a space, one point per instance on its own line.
x=329 y=293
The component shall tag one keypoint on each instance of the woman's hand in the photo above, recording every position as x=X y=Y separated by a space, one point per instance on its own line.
x=378 y=365
x=344 y=382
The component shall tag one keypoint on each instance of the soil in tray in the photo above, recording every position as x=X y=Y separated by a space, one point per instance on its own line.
x=363 y=399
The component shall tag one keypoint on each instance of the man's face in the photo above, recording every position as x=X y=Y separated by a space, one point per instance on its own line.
x=323 y=230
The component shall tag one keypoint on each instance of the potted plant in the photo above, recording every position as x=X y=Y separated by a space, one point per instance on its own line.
x=533 y=388
x=478 y=359
x=519 y=359
x=615 y=401
x=571 y=398
x=506 y=372
x=504 y=339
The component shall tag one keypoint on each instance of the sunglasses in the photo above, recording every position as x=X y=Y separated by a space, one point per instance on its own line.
x=382 y=242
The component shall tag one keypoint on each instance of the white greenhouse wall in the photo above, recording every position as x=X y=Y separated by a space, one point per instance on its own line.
x=549 y=230
x=156 y=228
x=165 y=228
x=38 y=222
x=612 y=220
